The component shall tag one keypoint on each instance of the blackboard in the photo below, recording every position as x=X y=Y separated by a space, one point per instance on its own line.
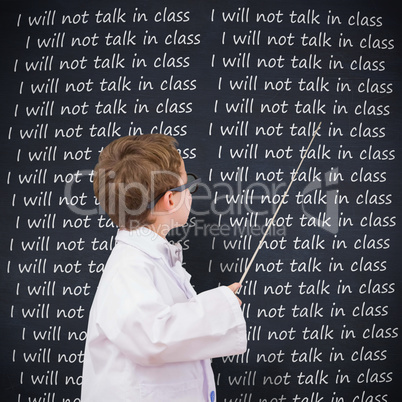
x=242 y=86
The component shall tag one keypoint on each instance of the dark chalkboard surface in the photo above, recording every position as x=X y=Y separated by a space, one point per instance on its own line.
x=242 y=85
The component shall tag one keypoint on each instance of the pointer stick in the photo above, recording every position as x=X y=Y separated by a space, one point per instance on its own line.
x=277 y=210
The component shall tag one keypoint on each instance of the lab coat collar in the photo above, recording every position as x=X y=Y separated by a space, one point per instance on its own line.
x=157 y=247
x=152 y=244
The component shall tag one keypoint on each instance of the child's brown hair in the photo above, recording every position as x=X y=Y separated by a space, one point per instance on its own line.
x=131 y=172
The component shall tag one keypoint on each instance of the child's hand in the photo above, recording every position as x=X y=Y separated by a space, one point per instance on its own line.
x=234 y=287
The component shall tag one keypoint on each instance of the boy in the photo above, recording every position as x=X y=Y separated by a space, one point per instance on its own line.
x=150 y=336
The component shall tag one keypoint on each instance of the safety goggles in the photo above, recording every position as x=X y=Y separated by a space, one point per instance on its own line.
x=192 y=185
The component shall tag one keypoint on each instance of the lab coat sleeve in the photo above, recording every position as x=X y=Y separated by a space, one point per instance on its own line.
x=134 y=317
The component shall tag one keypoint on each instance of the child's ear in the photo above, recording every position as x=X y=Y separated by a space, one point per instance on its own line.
x=167 y=201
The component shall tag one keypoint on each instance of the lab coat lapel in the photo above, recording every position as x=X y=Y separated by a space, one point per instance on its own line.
x=182 y=277
x=158 y=248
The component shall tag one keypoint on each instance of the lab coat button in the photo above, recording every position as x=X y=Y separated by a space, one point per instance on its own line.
x=212 y=395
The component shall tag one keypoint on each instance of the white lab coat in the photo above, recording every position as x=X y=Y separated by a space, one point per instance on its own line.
x=150 y=336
